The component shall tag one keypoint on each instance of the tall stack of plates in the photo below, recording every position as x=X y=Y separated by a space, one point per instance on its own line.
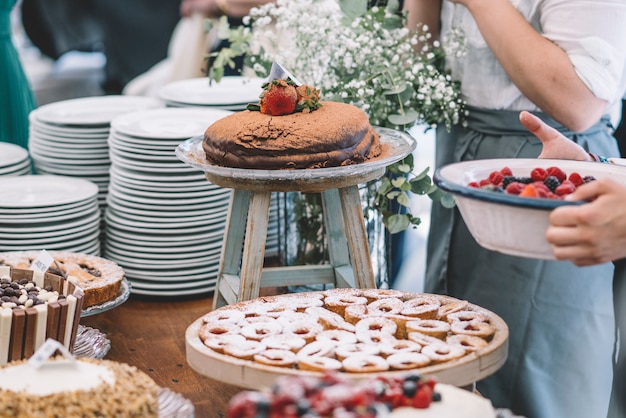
x=164 y=221
x=69 y=137
x=14 y=160
x=231 y=93
x=46 y=212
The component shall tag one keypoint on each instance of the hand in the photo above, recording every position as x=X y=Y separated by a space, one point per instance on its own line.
x=594 y=232
x=208 y=8
x=555 y=145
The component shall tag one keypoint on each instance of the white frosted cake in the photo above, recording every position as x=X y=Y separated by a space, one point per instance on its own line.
x=76 y=388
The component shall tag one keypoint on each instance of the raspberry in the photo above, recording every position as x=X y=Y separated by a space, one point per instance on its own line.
x=506 y=171
x=557 y=172
x=484 y=182
x=423 y=397
x=538 y=174
x=566 y=187
x=515 y=188
x=495 y=177
x=474 y=184
x=552 y=183
x=540 y=186
x=576 y=179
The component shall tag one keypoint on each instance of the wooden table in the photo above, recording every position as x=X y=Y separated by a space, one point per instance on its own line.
x=150 y=334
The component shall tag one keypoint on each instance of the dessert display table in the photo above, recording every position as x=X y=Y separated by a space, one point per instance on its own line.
x=241 y=274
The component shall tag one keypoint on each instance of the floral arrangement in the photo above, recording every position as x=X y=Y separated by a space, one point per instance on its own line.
x=361 y=54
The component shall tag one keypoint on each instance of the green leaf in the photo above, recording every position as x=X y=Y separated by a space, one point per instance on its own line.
x=353 y=8
x=423 y=174
x=407 y=118
x=447 y=201
x=421 y=186
x=394 y=90
x=398 y=223
x=392 y=195
x=398 y=182
x=404 y=168
x=403 y=199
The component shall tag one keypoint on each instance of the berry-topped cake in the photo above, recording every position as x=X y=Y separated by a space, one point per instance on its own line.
x=379 y=397
x=291 y=129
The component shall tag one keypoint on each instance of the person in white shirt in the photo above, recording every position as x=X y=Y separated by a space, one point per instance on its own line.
x=562 y=60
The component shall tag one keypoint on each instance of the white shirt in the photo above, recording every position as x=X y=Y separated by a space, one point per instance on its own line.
x=591 y=32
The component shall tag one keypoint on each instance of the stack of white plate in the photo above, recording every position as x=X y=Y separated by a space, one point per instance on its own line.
x=231 y=93
x=14 y=160
x=46 y=212
x=69 y=137
x=164 y=221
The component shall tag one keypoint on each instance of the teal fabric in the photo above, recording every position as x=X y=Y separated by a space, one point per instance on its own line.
x=16 y=97
x=560 y=316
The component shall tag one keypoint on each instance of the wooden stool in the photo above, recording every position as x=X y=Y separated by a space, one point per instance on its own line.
x=241 y=273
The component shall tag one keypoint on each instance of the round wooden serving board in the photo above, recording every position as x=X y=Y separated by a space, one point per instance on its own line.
x=252 y=375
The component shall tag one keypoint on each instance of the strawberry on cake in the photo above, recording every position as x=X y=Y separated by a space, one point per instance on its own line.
x=292 y=129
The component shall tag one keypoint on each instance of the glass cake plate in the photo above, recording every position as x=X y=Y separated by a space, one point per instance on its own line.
x=396 y=146
x=103 y=307
x=91 y=343
x=174 y=405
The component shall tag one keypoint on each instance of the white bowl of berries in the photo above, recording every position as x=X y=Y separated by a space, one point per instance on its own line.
x=506 y=203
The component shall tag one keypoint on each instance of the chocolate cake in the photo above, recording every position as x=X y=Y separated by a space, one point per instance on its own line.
x=335 y=134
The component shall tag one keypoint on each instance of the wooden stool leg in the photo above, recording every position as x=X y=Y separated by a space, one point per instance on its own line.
x=227 y=286
x=254 y=245
x=357 y=237
x=338 y=254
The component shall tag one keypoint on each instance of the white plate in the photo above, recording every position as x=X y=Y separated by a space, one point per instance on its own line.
x=172 y=199
x=156 y=192
x=72 y=150
x=233 y=108
x=61 y=244
x=68 y=161
x=133 y=155
x=98 y=110
x=22 y=167
x=48 y=217
x=193 y=177
x=201 y=273
x=123 y=201
x=141 y=227
x=44 y=190
x=125 y=141
x=173 y=285
x=231 y=90
x=120 y=207
x=150 y=240
x=200 y=290
x=78 y=220
x=165 y=255
x=43 y=167
x=162 y=187
x=180 y=264
x=11 y=155
x=168 y=123
x=153 y=167
x=161 y=150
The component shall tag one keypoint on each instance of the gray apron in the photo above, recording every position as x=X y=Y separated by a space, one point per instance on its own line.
x=617 y=407
x=560 y=316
